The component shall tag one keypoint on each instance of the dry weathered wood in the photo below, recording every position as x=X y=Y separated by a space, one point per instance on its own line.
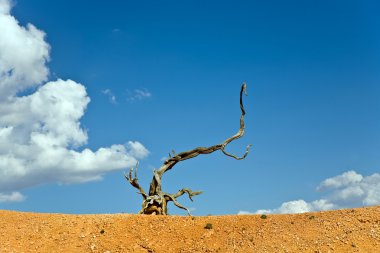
x=156 y=201
x=133 y=180
x=188 y=191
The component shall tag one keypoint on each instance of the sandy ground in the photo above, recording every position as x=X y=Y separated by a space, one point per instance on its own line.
x=351 y=230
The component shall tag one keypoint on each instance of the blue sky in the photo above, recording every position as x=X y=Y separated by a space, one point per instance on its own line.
x=163 y=75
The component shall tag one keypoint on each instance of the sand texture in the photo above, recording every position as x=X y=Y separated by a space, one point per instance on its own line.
x=350 y=230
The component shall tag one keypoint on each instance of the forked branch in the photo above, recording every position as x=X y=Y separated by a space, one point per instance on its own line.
x=169 y=163
x=188 y=191
x=133 y=180
x=155 y=202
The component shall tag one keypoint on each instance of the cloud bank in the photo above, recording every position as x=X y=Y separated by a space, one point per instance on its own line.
x=40 y=133
x=349 y=189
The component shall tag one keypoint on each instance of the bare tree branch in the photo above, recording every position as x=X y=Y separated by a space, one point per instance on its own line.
x=188 y=191
x=178 y=204
x=169 y=163
x=240 y=133
x=133 y=180
x=156 y=201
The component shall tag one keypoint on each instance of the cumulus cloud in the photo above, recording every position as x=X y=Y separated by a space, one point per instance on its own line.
x=137 y=149
x=346 y=179
x=40 y=133
x=12 y=197
x=349 y=189
x=298 y=206
x=24 y=54
x=138 y=94
x=5 y=6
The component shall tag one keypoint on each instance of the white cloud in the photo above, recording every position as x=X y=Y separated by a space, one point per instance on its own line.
x=12 y=197
x=132 y=96
x=5 y=6
x=372 y=186
x=40 y=133
x=299 y=206
x=23 y=54
x=136 y=149
x=138 y=94
x=349 y=189
x=110 y=95
x=346 y=179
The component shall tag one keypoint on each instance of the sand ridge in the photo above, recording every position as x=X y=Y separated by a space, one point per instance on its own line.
x=349 y=230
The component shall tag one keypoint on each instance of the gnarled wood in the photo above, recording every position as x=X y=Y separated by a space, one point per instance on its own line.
x=156 y=201
x=133 y=180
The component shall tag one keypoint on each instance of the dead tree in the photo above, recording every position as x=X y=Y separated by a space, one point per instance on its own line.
x=155 y=202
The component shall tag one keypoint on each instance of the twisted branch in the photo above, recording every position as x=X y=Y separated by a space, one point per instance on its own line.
x=188 y=191
x=156 y=201
x=133 y=180
x=169 y=163
x=178 y=204
x=240 y=133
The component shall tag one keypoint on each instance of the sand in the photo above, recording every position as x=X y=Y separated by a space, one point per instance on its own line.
x=349 y=230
